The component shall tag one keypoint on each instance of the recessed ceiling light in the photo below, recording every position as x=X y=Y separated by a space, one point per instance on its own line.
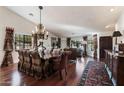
x=112 y=9
x=31 y=14
x=107 y=26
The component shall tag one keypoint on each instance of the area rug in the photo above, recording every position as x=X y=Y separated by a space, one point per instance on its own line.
x=95 y=74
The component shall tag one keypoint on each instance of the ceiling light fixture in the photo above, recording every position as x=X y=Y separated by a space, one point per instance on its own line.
x=40 y=29
x=112 y=9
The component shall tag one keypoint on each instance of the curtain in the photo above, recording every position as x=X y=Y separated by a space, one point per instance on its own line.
x=35 y=42
x=95 y=45
x=8 y=47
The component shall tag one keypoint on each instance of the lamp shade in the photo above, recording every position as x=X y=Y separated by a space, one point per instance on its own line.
x=116 y=34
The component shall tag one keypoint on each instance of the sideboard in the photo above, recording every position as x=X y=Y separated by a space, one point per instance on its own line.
x=114 y=63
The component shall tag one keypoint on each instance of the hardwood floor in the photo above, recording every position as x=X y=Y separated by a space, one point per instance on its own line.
x=10 y=76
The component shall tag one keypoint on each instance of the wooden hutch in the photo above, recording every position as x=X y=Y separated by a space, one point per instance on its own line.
x=115 y=65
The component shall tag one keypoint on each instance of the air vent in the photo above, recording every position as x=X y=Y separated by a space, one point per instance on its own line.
x=31 y=14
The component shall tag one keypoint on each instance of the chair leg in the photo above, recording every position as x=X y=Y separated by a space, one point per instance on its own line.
x=33 y=71
x=19 y=66
x=60 y=73
x=66 y=71
x=66 y=76
x=43 y=73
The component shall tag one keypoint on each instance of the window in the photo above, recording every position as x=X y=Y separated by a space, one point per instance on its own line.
x=90 y=43
x=55 y=42
x=22 y=41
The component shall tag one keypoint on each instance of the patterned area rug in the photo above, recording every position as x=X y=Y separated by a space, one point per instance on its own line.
x=95 y=74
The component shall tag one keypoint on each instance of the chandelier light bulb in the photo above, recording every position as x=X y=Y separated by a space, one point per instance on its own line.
x=47 y=32
x=36 y=29
x=33 y=32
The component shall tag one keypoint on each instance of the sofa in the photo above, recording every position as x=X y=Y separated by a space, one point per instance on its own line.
x=75 y=52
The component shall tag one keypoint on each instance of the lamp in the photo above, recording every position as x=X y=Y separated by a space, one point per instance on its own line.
x=116 y=34
x=40 y=29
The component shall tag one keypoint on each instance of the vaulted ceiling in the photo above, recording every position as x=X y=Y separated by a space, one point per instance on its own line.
x=72 y=20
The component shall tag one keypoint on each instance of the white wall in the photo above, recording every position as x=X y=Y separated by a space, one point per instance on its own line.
x=77 y=38
x=20 y=24
x=120 y=26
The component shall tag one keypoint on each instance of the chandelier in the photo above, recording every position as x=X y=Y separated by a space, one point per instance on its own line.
x=40 y=29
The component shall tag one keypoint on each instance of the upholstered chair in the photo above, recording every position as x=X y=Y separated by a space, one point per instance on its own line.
x=21 y=60
x=27 y=62
x=60 y=64
x=64 y=63
x=73 y=55
x=46 y=64
x=37 y=65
